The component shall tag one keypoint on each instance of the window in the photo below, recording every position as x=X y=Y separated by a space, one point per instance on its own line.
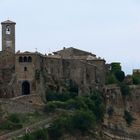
x=29 y=59
x=8 y=30
x=20 y=59
x=25 y=68
x=25 y=59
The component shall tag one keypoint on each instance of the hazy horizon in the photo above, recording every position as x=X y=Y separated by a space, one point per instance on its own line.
x=109 y=29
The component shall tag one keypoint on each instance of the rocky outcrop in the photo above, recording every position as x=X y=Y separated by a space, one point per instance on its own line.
x=116 y=104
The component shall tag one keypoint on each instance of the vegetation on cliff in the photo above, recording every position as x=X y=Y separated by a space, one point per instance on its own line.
x=74 y=116
x=83 y=113
x=115 y=75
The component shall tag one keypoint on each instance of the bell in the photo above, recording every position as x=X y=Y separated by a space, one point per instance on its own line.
x=8 y=29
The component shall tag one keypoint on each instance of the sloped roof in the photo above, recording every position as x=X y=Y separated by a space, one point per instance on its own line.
x=8 y=22
x=28 y=53
x=73 y=51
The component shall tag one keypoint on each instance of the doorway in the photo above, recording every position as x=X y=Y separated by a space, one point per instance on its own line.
x=25 y=88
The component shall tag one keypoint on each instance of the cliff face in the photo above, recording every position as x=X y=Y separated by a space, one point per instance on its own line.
x=120 y=109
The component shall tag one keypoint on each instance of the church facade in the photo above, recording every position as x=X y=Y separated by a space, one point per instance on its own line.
x=24 y=73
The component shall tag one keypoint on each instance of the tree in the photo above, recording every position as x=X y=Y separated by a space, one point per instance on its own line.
x=115 y=66
x=136 y=79
x=58 y=127
x=120 y=75
x=83 y=120
x=111 y=79
x=99 y=105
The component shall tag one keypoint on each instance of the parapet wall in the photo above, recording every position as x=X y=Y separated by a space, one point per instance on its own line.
x=22 y=104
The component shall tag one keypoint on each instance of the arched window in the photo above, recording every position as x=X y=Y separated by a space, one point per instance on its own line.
x=20 y=59
x=29 y=59
x=25 y=59
x=8 y=30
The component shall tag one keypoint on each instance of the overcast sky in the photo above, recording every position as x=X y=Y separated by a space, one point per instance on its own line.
x=108 y=28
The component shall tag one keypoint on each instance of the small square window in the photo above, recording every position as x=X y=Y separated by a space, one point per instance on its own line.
x=25 y=68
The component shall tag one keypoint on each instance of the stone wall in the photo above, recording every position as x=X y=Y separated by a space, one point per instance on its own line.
x=28 y=71
x=63 y=70
x=22 y=104
x=16 y=107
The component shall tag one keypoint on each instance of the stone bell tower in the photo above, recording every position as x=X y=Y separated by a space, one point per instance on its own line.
x=8 y=36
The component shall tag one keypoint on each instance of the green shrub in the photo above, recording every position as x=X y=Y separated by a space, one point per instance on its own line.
x=12 y=122
x=83 y=120
x=71 y=104
x=80 y=120
x=56 y=129
x=99 y=109
x=120 y=75
x=136 y=79
x=111 y=79
x=28 y=137
x=56 y=96
x=76 y=103
x=50 y=107
x=8 y=125
x=40 y=134
x=60 y=104
x=14 y=118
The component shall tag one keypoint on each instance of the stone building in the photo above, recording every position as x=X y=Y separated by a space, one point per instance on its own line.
x=24 y=73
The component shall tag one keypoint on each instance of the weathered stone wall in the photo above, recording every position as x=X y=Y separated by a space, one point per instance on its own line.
x=7 y=62
x=16 y=107
x=79 y=71
x=116 y=122
x=31 y=67
x=33 y=99
x=8 y=39
x=83 y=68
x=100 y=70
x=53 y=67
x=22 y=104
x=28 y=71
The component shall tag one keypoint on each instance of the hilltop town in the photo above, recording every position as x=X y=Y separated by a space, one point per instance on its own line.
x=30 y=81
